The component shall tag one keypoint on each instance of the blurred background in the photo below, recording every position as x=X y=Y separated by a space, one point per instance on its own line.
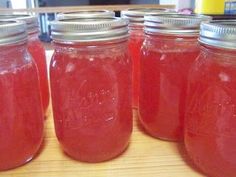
x=46 y=11
x=15 y=4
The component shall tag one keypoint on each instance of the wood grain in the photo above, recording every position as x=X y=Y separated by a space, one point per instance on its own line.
x=91 y=7
x=145 y=157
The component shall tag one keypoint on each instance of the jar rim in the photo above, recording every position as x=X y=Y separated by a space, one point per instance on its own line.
x=219 y=33
x=174 y=24
x=86 y=14
x=30 y=20
x=89 y=29
x=135 y=16
x=12 y=31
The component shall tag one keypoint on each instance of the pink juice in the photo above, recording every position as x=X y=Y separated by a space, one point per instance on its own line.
x=37 y=51
x=135 y=44
x=210 y=117
x=164 y=68
x=91 y=97
x=21 y=114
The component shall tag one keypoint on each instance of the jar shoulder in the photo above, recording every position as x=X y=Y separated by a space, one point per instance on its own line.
x=214 y=68
x=112 y=51
x=14 y=57
x=63 y=59
x=169 y=45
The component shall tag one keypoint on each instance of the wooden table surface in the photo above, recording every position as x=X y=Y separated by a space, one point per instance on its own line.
x=145 y=157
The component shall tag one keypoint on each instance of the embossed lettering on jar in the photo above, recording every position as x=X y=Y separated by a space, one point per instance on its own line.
x=21 y=113
x=169 y=49
x=136 y=25
x=37 y=51
x=91 y=87
x=210 y=131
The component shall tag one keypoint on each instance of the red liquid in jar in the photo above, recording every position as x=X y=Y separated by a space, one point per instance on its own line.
x=210 y=131
x=164 y=69
x=37 y=51
x=91 y=97
x=21 y=114
x=135 y=44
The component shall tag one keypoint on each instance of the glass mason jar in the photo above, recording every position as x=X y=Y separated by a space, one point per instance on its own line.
x=210 y=129
x=86 y=14
x=136 y=25
x=90 y=75
x=21 y=122
x=169 y=49
x=37 y=51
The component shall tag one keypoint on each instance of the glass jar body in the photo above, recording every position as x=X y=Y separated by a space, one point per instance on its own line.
x=91 y=97
x=165 y=62
x=135 y=43
x=210 y=114
x=37 y=51
x=21 y=122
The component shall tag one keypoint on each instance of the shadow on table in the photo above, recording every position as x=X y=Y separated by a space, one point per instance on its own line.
x=184 y=155
x=179 y=145
x=105 y=161
x=32 y=159
x=138 y=123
